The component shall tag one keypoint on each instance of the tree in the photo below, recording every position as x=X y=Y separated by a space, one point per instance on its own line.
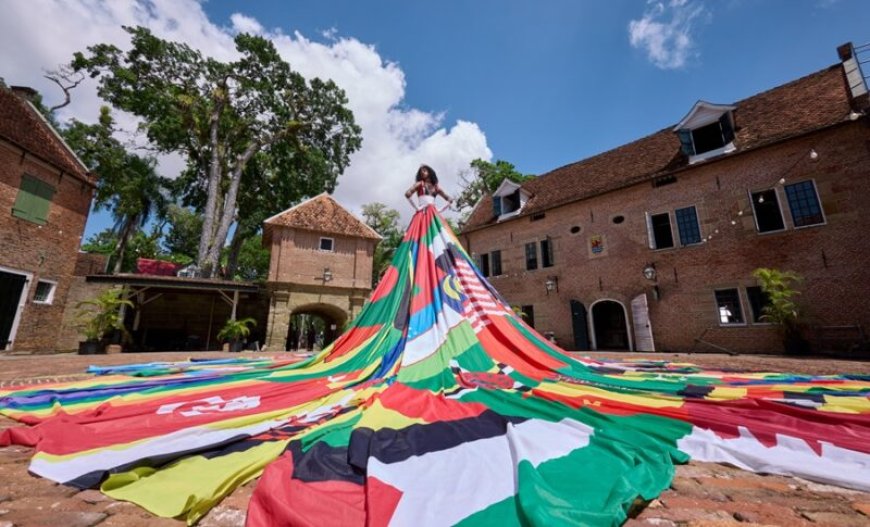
x=220 y=115
x=182 y=239
x=140 y=245
x=484 y=178
x=127 y=184
x=252 y=261
x=384 y=221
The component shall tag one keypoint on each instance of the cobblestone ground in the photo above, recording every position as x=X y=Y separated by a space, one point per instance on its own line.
x=702 y=494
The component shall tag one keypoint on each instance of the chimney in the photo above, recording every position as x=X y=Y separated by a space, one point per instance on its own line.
x=855 y=78
x=25 y=92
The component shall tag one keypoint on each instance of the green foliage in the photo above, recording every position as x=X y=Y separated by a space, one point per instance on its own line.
x=236 y=330
x=384 y=221
x=253 y=260
x=256 y=135
x=127 y=184
x=140 y=245
x=781 y=308
x=182 y=239
x=102 y=314
x=484 y=178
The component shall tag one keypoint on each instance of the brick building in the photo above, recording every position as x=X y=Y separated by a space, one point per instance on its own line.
x=321 y=264
x=45 y=196
x=651 y=246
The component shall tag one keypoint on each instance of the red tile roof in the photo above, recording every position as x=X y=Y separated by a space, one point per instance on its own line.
x=22 y=125
x=810 y=103
x=322 y=214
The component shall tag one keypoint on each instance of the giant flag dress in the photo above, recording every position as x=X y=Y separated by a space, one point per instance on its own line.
x=438 y=406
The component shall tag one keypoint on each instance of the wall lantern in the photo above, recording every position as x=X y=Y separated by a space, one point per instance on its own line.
x=649 y=272
x=327 y=275
x=552 y=284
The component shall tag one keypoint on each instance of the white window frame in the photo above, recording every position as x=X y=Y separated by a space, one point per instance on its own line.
x=651 y=235
x=755 y=216
x=818 y=198
x=331 y=243
x=739 y=301
x=16 y=320
x=50 y=299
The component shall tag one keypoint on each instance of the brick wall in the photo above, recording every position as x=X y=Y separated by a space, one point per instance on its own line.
x=45 y=252
x=832 y=257
x=297 y=258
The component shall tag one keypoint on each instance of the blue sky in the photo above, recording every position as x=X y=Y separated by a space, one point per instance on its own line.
x=540 y=84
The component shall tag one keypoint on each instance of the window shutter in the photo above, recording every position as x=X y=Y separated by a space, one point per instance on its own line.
x=496 y=205
x=43 y=195
x=686 y=144
x=727 y=128
x=649 y=231
x=25 y=201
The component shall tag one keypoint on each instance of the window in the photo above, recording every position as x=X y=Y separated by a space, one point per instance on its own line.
x=687 y=225
x=531 y=256
x=528 y=315
x=496 y=205
x=708 y=138
x=728 y=306
x=510 y=203
x=803 y=200
x=495 y=262
x=768 y=217
x=327 y=244
x=33 y=200
x=484 y=264
x=547 y=253
x=660 y=231
x=44 y=293
x=758 y=299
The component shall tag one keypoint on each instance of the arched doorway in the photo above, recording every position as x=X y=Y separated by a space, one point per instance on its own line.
x=609 y=326
x=314 y=327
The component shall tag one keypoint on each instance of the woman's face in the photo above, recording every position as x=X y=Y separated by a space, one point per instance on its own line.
x=424 y=173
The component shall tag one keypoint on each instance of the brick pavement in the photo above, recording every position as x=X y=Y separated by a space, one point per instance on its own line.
x=701 y=495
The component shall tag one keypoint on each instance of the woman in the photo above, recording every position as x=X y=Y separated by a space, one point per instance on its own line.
x=426 y=187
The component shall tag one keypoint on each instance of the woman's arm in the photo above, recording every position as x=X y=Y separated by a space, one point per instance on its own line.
x=445 y=196
x=410 y=192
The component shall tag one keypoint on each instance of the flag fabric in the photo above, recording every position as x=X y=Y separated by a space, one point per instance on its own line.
x=438 y=406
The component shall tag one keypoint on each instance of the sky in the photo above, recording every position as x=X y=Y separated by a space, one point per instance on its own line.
x=540 y=84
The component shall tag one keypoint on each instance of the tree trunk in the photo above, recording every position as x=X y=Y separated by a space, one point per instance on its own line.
x=207 y=240
x=228 y=215
x=123 y=240
x=239 y=238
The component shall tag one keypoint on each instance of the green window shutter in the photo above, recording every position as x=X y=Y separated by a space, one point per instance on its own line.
x=33 y=200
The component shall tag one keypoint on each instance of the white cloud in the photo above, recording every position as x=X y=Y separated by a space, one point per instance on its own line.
x=396 y=139
x=666 y=31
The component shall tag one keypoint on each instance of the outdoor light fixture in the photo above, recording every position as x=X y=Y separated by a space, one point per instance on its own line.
x=552 y=284
x=327 y=275
x=649 y=272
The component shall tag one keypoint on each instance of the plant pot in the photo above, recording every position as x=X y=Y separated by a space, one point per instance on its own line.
x=90 y=347
x=236 y=347
x=795 y=344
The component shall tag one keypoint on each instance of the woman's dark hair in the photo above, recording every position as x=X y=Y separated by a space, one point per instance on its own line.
x=432 y=177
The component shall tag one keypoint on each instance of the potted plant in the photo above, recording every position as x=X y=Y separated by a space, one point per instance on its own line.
x=98 y=318
x=780 y=308
x=235 y=331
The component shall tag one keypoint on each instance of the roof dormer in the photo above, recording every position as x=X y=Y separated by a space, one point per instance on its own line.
x=707 y=131
x=508 y=199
